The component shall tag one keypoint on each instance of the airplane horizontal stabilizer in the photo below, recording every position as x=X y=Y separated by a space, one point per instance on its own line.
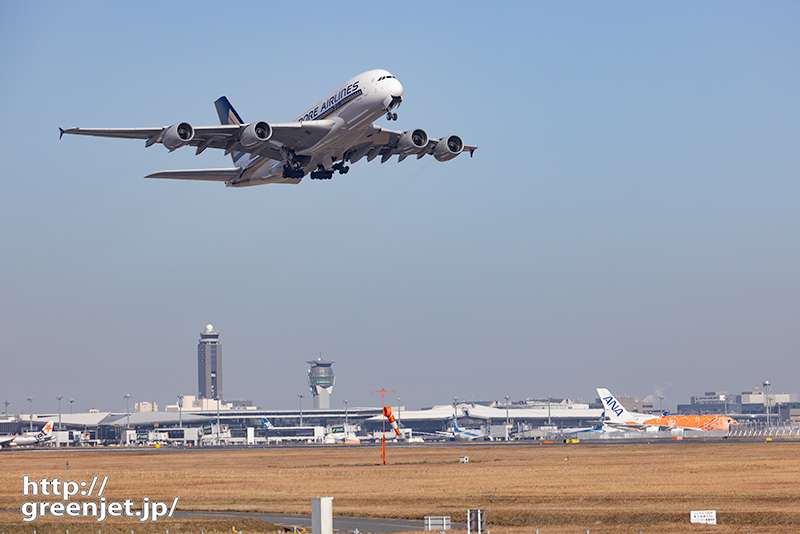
x=213 y=175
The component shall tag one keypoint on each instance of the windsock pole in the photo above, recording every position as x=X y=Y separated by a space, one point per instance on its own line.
x=383 y=393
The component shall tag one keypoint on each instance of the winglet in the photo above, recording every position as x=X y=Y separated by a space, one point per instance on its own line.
x=61 y=134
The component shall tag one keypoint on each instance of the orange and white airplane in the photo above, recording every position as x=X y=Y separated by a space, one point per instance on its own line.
x=29 y=438
x=619 y=417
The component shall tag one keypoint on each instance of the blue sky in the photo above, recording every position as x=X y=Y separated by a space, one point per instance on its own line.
x=630 y=219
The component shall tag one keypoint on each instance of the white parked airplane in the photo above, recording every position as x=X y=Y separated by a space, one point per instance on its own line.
x=29 y=438
x=336 y=131
x=464 y=433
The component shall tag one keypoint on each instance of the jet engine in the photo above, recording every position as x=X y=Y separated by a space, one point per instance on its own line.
x=255 y=133
x=177 y=135
x=412 y=141
x=448 y=148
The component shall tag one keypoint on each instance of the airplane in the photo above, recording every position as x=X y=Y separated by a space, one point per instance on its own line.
x=619 y=417
x=337 y=130
x=267 y=424
x=29 y=438
x=468 y=434
x=338 y=434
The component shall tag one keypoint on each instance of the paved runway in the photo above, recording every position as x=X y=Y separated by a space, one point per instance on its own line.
x=340 y=523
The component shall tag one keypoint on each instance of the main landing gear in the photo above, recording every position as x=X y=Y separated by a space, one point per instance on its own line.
x=290 y=171
x=322 y=174
x=391 y=116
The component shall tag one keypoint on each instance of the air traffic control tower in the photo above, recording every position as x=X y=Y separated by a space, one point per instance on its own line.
x=209 y=365
x=320 y=382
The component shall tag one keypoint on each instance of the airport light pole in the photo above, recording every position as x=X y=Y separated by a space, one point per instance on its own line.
x=30 y=402
x=345 y=417
x=128 y=410
x=180 y=410
x=59 y=410
x=6 y=410
x=766 y=389
x=660 y=405
x=216 y=398
x=70 y=405
x=549 y=422
x=301 y=408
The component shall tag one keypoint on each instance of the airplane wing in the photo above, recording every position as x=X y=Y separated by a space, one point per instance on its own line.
x=386 y=143
x=248 y=138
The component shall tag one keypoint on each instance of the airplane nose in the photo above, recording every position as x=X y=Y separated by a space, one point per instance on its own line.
x=393 y=90
x=395 y=87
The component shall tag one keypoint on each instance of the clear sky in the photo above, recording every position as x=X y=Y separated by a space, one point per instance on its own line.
x=631 y=219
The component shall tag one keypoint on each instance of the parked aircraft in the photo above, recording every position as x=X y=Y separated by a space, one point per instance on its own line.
x=464 y=433
x=29 y=438
x=320 y=141
x=338 y=434
x=266 y=423
x=616 y=415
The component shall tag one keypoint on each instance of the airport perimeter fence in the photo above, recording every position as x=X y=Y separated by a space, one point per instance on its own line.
x=755 y=429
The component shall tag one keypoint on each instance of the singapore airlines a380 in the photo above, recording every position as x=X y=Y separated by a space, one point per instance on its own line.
x=319 y=142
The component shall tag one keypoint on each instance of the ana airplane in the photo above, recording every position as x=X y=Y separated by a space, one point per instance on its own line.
x=464 y=433
x=29 y=438
x=322 y=140
x=619 y=417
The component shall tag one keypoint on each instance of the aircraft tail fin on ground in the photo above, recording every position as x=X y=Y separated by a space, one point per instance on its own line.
x=614 y=411
x=228 y=115
x=455 y=425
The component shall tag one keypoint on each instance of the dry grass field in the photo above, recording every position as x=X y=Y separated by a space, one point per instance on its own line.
x=555 y=489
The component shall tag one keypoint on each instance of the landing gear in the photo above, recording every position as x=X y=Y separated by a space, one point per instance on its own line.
x=321 y=174
x=391 y=116
x=291 y=169
x=291 y=172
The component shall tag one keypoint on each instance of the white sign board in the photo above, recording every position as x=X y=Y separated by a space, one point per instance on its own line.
x=708 y=517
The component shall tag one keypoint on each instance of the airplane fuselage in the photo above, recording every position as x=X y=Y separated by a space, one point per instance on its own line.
x=353 y=108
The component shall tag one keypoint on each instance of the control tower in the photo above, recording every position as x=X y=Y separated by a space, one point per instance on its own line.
x=209 y=365
x=320 y=382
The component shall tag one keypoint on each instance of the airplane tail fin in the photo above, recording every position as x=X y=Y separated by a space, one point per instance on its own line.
x=266 y=423
x=455 y=425
x=228 y=115
x=614 y=411
x=46 y=433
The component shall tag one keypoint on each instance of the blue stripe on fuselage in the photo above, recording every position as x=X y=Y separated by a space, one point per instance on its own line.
x=332 y=104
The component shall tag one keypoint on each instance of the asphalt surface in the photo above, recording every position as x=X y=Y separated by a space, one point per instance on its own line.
x=340 y=523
